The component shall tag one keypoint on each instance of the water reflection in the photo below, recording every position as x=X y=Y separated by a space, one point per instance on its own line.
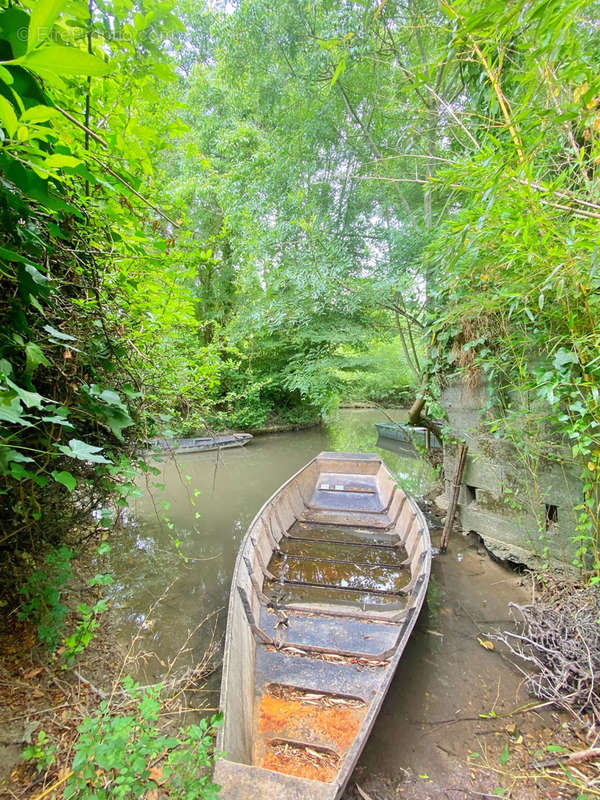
x=178 y=545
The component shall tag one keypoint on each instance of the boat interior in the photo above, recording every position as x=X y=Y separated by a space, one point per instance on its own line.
x=328 y=582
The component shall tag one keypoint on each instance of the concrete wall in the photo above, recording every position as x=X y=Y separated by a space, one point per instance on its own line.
x=522 y=508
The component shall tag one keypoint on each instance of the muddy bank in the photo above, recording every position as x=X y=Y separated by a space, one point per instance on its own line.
x=44 y=699
x=284 y=427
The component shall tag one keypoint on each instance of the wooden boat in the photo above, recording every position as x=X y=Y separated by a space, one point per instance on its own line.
x=411 y=434
x=405 y=449
x=199 y=444
x=327 y=587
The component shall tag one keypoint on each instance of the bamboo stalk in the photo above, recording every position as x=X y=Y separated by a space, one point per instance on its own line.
x=460 y=468
x=54 y=786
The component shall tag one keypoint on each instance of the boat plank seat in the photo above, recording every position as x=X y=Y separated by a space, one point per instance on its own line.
x=389 y=612
x=351 y=553
x=314 y=674
x=241 y=781
x=339 y=574
x=338 y=534
x=387 y=518
x=329 y=596
x=336 y=633
x=353 y=518
x=349 y=492
x=325 y=729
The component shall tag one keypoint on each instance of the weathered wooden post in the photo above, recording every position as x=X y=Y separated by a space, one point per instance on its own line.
x=463 y=449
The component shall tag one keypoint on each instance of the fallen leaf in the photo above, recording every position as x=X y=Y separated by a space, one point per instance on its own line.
x=33 y=672
x=486 y=643
x=156 y=775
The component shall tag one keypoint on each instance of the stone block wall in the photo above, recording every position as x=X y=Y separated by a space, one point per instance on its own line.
x=523 y=510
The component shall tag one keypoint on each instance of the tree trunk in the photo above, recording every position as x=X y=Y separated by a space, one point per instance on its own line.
x=414 y=414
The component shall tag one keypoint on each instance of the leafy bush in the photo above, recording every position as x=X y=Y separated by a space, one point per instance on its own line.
x=124 y=756
x=42 y=752
x=80 y=304
x=42 y=594
x=45 y=606
x=85 y=631
x=518 y=290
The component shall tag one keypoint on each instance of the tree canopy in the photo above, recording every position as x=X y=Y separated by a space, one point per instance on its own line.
x=225 y=214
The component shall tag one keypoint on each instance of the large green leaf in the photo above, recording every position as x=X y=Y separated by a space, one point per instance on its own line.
x=13 y=24
x=9 y=455
x=83 y=451
x=43 y=17
x=8 y=118
x=30 y=399
x=11 y=255
x=39 y=114
x=564 y=357
x=55 y=334
x=64 y=61
x=65 y=478
x=117 y=420
x=36 y=275
x=35 y=357
x=11 y=409
x=61 y=161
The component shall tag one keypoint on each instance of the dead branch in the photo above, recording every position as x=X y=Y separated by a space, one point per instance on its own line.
x=580 y=757
x=557 y=643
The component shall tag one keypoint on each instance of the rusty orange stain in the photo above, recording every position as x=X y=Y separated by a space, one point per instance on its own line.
x=291 y=719
x=299 y=767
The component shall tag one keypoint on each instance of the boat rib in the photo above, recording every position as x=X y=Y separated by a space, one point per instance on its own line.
x=327 y=587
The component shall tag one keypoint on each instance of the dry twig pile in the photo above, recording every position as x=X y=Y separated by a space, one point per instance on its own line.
x=559 y=635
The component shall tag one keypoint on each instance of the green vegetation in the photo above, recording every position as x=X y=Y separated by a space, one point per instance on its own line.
x=379 y=375
x=42 y=596
x=42 y=752
x=231 y=215
x=517 y=296
x=124 y=756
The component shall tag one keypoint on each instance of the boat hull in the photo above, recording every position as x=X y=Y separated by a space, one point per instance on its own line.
x=327 y=587
x=202 y=444
x=411 y=435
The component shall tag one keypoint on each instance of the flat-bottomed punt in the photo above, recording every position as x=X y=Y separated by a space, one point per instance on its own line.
x=200 y=444
x=409 y=434
x=327 y=587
